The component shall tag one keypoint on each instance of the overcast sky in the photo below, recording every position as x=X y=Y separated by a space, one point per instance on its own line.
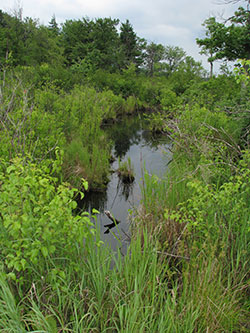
x=169 y=22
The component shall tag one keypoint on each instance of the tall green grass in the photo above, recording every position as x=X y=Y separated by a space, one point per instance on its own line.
x=136 y=295
x=10 y=311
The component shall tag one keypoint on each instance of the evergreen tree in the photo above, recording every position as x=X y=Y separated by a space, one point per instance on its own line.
x=132 y=46
x=53 y=26
x=128 y=40
x=94 y=42
x=11 y=38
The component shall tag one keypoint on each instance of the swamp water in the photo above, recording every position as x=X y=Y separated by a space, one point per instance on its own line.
x=131 y=139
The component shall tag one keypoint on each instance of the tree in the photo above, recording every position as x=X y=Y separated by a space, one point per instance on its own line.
x=28 y=42
x=188 y=72
x=94 y=42
x=128 y=42
x=215 y=36
x=53 y=26
x=40 y=45
x=11 y=38
x=131 y=45
x=154 y=54
x=104 y=44
x=242 y=18
x=75 y=39
x=229 y=40
x=173 y=57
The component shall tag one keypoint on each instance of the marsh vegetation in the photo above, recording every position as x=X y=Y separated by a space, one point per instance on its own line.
x=186 y=268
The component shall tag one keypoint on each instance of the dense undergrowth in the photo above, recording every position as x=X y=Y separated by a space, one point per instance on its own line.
x=187 y=268
x=201 y=210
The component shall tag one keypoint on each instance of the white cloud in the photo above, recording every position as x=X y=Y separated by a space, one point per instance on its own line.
x=166 y=32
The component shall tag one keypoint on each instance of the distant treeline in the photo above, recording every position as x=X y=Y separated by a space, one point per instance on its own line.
x=86 y=45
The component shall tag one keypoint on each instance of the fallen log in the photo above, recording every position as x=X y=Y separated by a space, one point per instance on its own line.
x=111 y=225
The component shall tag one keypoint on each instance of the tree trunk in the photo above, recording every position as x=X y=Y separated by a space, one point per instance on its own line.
x=211 y=69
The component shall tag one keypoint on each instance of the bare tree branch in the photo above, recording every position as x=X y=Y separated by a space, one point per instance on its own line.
x=233 y=2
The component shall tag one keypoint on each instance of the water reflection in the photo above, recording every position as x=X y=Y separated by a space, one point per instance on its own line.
x=126 y=189
x=154 y=141
x=130 y=139
x=97 y=200
x=124 y=134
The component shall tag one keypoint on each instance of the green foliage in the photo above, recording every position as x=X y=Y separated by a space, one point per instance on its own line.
x=154 y=54
x=230 y=201
x=124 y=85
x=242 y=71
x=157 y=122
x=215 y=36
x=75 y=120
x=97 y=42
x=188 y=260
x=24 y=127
x=200 y=212
x=125 y=171
x=11 y=318
x=209 y=140
x=187 y=75
x=87 y=149
x=53 y=26
x=27 y=41
x=228 y=42
x=83 y=162
x=131 y=46
x=167 y=99
x=173 y=57
x=134 y=295
x=12 y=31
x=39 y=233
x=218 y=92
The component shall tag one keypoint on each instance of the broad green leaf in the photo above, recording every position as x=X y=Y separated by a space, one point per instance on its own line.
x=44 y=251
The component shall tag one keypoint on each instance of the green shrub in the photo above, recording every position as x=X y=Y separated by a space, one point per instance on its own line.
x=40 y=235
x=167 y=99
x=221 y=91
x=157 y=122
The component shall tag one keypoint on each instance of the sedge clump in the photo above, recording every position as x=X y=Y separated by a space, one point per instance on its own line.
x=125 y=171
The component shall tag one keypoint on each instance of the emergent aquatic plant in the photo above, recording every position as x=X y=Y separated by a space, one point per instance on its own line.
x=125 y=171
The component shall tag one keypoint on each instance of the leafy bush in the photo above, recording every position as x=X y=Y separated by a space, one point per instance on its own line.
x=157 y=122
x=39 y=234
x=167 y=99
x=219 y=215
x=221 y=91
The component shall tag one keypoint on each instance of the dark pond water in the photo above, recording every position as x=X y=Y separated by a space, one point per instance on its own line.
x=131 y=139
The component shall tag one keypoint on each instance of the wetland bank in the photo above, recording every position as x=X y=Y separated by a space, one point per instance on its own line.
x=186 y=265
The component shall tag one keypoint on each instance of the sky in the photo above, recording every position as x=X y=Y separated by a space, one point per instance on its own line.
x=169 y=22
